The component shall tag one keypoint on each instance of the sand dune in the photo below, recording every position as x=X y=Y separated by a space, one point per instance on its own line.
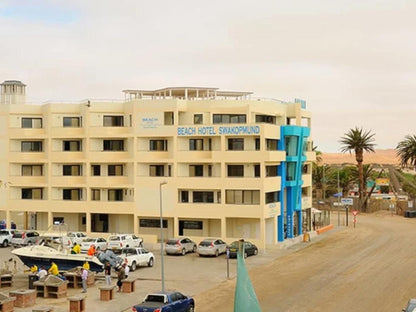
x=383 y=157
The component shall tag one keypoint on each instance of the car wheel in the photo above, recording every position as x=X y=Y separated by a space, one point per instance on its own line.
x=216 y=253
x=256 y=252
x=5 y=243
x=150 y=263
x=245 y=255
x=183 y=252
x=194 y=248
x=98 y=249
x=133 y=266
x=191 y=308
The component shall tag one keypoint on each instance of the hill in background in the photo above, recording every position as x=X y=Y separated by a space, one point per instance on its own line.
x=381 y=157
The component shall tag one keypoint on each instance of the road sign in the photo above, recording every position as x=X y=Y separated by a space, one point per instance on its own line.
x=347 y=201
x=354 y=212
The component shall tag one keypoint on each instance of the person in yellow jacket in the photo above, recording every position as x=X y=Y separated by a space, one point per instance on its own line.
x=86 y=265
x=76 y=249
x=34 y=269
x=53 y=269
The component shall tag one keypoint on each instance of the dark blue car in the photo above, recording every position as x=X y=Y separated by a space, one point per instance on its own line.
x=166 y=301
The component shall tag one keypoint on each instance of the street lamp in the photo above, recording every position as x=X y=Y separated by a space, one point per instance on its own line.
x=161 y=236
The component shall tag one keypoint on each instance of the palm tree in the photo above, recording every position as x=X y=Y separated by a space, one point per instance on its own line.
x=359 y=141
x=406 y=151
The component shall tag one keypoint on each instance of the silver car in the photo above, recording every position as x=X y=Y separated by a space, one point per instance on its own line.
x=211 y=247
x=98 y=242
x=23 y=238
x=179 y=246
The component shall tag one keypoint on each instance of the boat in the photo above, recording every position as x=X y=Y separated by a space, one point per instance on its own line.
x=44 y=255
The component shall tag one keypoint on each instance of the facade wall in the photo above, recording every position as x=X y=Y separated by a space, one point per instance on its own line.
x=106 y=162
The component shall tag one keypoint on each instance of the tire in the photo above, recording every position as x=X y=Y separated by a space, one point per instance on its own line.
x=98 y=249
x=216 y=253
x=191 y=308
x=150 y=263
x=245 y=255
x=256 y=252
x=5 y=243
x=183 y=252
x=133 y=266
x=194 y=249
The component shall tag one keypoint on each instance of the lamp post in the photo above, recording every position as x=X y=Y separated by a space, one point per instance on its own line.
x=161 y=236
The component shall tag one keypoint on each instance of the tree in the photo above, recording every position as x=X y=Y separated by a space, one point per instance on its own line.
x=359 y=141
x=406 y=151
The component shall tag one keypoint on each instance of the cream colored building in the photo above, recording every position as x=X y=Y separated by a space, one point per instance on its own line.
x=218 y=163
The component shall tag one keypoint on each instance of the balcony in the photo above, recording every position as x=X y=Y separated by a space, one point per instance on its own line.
x=24 y=181
x=23 y=133
x=67 y=132
x=110 y=156
x=68 y=181
x=106 y=181
x=67 y=156
x=153 y=156
x=195 y=156
x=27 y=156
x=111 y=132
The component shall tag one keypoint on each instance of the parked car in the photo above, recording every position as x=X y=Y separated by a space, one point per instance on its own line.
x=23 y=238
x=249 y=249
x=99 y=243
x=119 y=241
x=6 y=237
x=76 y=237
x=180 y=246
x=411 y=306
x=211 y=247
x=169 y=301
x=137 y=257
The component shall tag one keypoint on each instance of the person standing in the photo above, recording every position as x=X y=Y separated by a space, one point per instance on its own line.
x=126 y=269
x=84 y=276
x=120 y=276
x=107 y=272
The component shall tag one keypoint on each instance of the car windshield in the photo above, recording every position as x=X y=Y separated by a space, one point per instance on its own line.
x=205 y=243
x=4 y=233
x=89 y=240
x=234 y=245
x=18 y=235
x=172 y=242
x=114 y=238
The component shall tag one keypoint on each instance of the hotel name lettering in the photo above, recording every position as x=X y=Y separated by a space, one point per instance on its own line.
x=223 y=130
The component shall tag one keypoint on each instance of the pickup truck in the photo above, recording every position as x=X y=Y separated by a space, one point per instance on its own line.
x=165 y=302
x=137 y=257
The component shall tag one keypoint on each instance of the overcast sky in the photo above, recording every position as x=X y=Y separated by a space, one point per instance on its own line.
x=354 y=62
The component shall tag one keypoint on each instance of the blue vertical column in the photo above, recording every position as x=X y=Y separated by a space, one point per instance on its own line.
x=289 y=211
x=281 y=171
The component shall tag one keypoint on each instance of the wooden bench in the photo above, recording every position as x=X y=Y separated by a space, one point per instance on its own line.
x=128 y=285
x=107 y=293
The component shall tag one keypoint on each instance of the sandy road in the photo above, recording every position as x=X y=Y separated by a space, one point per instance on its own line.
x=368 y=268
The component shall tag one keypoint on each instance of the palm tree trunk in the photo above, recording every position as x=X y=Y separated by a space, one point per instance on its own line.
x=361 y=187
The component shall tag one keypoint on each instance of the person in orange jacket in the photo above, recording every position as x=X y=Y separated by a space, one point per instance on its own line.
x=91 y=250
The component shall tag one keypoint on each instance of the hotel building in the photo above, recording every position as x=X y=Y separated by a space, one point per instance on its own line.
x=217 y=163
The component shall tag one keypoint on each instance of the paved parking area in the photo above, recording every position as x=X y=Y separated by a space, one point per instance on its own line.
x=189 y=274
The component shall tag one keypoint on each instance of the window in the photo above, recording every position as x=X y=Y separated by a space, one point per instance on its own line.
x=35 y=123
x=71 y=170
x=184 y=196
x=266 y=119
x=235 y=171
x=157 y=170
x=95 y=194
x=71 y=146
x=257 y=171
x=32 y=193
x=95 y=170
x=113 y=121
x=113 y=145
x=271 y=145
x=158 y=145
x=32 y=170
x=257 y=144
x=198 y=119
x=71 y=194
x=291 y=145
x=153 y=223
x=168 y=118
x=115 y=170
x=203 y=197
x=235 y=144
x=229 y=118
x=271 y=171
x=242 y=197
x=196 y=144
x=115 y=195
x=272 y=197
x=72 y=122
x=31 y=146
x=192 y=225
x=196 y=170
x=291 y=171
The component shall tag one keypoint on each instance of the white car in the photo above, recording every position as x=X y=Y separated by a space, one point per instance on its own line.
x=76 y=237
x=6 y=237
x=137 y=257
x=99 y=243
x=119 y=241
